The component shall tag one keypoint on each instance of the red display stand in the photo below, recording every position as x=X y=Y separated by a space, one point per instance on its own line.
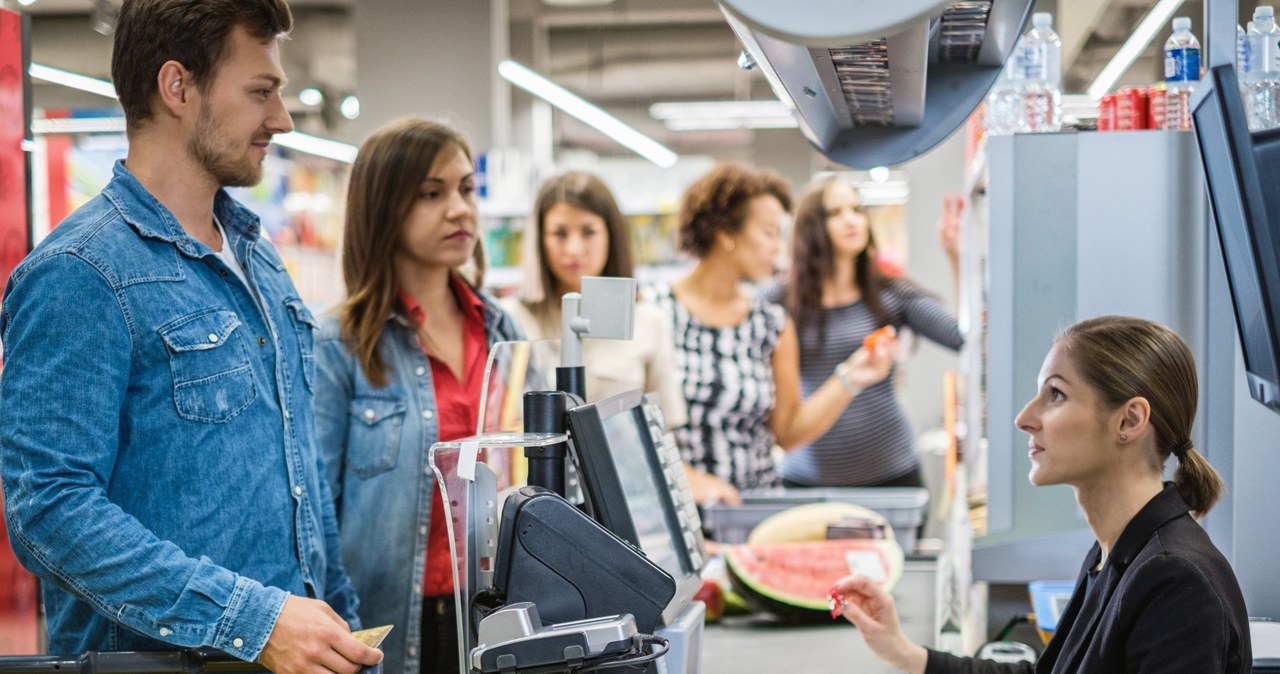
x=18 y=599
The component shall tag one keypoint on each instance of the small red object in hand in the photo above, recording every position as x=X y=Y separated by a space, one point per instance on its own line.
x=873 y=341
x=837 y=602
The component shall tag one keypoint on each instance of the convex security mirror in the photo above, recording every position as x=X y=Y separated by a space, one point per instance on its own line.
x=878 y=82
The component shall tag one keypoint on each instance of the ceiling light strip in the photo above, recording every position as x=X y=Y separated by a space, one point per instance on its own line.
x=301 y=142
x=587 y=113
x=1133 y=47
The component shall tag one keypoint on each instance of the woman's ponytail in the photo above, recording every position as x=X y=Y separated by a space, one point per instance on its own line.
x=1198 y=483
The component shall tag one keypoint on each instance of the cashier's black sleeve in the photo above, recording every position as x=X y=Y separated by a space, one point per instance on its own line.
x=945 y=663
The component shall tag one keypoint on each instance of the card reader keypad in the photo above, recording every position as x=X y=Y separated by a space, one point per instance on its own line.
x=677 y=482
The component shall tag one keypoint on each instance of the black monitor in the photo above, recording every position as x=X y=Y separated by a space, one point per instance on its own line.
x=635 y=486
x=1242 y=171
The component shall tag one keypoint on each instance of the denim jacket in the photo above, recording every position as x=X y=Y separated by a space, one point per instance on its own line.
x=375 y=443
x=157 y=439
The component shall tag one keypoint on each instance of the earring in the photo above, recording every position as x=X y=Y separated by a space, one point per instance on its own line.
x=1124 y=438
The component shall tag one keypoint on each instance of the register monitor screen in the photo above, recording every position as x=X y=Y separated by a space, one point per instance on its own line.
x=1242 y=171
x=626 y=484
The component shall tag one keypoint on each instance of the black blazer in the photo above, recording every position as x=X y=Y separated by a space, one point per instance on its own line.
x=1166 y=601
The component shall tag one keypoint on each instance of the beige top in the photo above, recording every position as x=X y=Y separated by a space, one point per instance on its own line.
x=645 y=362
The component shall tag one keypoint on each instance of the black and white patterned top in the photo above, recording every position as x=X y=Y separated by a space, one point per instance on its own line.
x=727 y=379
x=872 y=442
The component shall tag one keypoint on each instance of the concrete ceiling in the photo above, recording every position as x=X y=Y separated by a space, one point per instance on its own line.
x=624 y=55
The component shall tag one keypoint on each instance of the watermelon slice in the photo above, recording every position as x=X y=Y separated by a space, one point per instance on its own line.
x=793 y=580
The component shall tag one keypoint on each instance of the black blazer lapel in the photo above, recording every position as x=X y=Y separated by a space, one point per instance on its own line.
x=1066 y=637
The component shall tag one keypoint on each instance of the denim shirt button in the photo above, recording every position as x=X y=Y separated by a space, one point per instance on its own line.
x=427 y=414
x=369 y=415
x=165 y=631
x=422 y=530
x=297 y=490
x=417 y=589
x=420 y=371
x=412 y=650
x=237 y=642
x=213 y=338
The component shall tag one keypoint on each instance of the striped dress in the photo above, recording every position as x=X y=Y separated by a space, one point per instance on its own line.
x=872 y=442
x=727 y=379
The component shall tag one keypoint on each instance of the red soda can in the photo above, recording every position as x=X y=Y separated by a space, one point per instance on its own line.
x=1156 y=107
x=1107 y=113
x=1131 y=109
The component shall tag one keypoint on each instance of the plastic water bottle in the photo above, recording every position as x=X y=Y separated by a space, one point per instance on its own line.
x=1263 y=78
x=1040 y=52
x=1181 y=74
x=1003 y=113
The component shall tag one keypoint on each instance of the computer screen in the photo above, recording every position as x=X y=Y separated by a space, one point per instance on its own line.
x=642 y=487
x=634 y=485
x=1242 y=171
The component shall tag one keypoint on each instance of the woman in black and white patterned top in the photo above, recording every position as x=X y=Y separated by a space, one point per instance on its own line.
x=837 y=296
x=737 y=354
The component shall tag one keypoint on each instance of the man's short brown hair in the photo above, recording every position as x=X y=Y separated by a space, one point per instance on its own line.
x=195 y=33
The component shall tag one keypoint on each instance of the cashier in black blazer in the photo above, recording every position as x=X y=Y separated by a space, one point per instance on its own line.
x=1117 y=396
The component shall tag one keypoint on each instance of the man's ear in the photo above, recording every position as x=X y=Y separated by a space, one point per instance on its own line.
x=174 y=85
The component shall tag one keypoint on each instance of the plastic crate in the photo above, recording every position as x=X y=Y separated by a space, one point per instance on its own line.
x=903 y=507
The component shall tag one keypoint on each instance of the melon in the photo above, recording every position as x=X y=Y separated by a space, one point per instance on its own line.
x=787 y=567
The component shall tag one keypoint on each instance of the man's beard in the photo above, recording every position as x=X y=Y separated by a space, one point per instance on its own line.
x=212 y=149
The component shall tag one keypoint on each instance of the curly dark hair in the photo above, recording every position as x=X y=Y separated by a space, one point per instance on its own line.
x=717 y=202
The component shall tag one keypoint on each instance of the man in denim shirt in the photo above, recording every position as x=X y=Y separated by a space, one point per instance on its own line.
x=157 y=445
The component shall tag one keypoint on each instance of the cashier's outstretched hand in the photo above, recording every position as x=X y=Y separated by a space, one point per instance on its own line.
x=310 y=638
x=872 y=610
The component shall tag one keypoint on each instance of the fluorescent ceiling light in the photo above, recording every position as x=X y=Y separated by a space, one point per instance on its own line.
x=92 y=85
x=78 y=125
x=311 y=96
x=588 y=113
x=302 y=142
x=1133 y=47
x=719 y=109
x=725 y=123
x=321 y=147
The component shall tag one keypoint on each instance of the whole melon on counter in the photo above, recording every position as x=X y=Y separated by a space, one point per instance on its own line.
x=787 y=566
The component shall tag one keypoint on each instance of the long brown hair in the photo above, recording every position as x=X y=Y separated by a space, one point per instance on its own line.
x=813 y=261
x=589 y=193
x=1122 y=357
x=150 y=32
x=385 y=181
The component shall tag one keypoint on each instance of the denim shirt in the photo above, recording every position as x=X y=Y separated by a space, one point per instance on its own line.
x=376 y=442
x=157 y=439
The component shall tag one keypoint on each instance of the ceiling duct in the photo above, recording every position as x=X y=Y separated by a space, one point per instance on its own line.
x=877 y=83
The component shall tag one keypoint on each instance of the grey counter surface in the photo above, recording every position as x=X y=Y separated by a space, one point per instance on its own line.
x=749 y=644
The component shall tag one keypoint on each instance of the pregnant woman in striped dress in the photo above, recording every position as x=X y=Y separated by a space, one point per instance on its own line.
x=837 y=296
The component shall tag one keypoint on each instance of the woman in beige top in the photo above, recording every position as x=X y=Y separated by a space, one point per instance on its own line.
x=577 y=230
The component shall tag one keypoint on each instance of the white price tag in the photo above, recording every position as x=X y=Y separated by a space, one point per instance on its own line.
x=467 y=461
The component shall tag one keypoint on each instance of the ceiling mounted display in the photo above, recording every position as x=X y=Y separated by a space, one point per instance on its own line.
x=878 y=83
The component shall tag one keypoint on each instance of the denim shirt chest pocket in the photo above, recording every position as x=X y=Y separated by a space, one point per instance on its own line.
x=306 y=325
x=373 y=442
x=212 y=377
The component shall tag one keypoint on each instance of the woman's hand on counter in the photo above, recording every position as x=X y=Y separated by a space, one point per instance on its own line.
x=873 y=611
x=708 y=488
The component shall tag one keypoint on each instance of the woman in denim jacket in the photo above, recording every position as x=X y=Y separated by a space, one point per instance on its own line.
x=399 y=368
